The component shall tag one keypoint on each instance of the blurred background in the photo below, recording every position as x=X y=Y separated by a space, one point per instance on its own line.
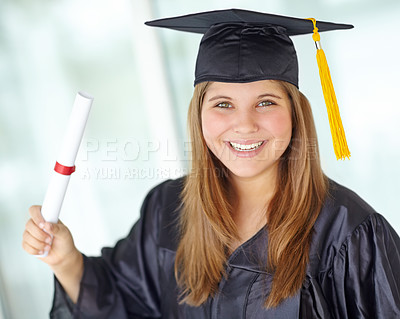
x=142 y=81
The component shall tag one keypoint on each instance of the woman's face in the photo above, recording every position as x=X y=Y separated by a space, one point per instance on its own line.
x=247 y=126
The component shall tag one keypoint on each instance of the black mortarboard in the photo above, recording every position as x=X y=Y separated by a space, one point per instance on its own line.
x=244 y=46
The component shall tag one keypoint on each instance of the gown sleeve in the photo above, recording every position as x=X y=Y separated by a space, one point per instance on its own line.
x=364 y=280
x=123 y=282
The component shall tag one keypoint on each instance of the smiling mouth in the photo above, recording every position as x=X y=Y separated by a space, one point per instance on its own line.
x=246 y=147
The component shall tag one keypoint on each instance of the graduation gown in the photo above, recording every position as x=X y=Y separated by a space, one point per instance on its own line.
x=354 y=269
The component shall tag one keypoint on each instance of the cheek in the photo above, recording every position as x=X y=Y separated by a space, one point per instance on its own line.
x=212 y=125
x=280 y=125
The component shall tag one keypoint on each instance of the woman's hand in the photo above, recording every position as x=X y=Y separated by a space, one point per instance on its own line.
x=40 y=237
x=56 y=240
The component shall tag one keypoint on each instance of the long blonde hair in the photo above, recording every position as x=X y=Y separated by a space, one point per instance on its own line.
x=207 y=226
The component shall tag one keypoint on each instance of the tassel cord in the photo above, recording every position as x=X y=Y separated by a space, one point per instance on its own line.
x=335 y=122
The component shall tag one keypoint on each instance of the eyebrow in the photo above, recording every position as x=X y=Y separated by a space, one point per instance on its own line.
x=217 y=97
x=269 y=94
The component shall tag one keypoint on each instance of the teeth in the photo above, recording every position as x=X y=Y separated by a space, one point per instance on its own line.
x=245 y=147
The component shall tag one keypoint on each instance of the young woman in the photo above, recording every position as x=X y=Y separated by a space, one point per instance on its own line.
x=256 y=230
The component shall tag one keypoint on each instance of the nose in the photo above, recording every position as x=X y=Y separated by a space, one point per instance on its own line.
x=245 y=122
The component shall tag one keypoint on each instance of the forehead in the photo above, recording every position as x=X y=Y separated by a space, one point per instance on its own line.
x=249 y=88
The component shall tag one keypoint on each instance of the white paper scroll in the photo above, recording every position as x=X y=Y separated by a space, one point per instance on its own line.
x=66 y=158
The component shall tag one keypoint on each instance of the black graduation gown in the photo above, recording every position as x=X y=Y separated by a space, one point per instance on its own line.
x=354 y=269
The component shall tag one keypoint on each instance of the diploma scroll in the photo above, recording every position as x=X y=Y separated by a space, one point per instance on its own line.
x=66 y=158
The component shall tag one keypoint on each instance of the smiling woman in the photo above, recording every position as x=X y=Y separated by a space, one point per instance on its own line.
x=274 y=178
x=256 y=229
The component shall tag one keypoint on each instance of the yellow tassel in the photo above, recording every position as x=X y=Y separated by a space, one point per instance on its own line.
x=335 y=122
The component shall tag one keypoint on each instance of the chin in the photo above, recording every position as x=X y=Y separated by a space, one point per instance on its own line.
x=246 y=171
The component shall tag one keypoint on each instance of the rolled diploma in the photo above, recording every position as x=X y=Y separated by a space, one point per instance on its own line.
x=69 y=148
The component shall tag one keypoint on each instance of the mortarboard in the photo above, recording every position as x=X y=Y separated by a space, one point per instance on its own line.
x=244 y=46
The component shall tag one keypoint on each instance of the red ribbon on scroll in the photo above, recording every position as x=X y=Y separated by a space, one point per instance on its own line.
x=64 y=170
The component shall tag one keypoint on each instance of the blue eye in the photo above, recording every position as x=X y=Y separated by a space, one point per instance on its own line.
x=224 y=105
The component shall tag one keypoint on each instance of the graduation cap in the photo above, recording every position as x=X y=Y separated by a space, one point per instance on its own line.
x=241 y=46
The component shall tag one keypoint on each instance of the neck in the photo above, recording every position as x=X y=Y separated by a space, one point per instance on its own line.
x=250 y=198
x=254 y=191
